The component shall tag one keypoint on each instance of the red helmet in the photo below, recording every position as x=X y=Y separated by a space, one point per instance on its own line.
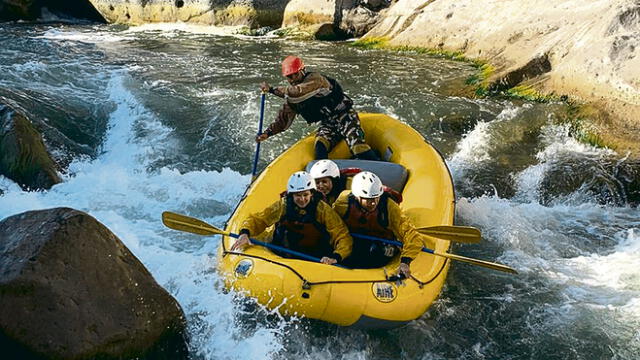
x=291 y=65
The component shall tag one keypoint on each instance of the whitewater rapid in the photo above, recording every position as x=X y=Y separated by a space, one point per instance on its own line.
x=578 y=259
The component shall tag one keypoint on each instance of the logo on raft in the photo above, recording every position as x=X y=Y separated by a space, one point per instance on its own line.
x=243 y=268
x=384 y=292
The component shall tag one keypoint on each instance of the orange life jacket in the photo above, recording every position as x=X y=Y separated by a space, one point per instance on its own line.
x=373 y=223
x=299 y=230
x=366 y=253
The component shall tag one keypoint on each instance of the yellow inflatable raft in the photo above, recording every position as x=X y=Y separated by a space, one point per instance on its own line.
x=360 y=298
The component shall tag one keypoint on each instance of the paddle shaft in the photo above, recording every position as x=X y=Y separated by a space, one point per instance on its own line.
x=386 y=241
x=280 y=248
x=482 y=263
x=257 y=156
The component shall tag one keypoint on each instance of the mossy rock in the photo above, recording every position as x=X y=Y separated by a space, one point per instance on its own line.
x=236 y=15
x=295 y=32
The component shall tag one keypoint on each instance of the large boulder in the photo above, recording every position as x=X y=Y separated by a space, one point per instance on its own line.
x=70 y=289
x=72 y=127
x=18 y=9
x=348 y=18
x=253 y=13
x=23 y=155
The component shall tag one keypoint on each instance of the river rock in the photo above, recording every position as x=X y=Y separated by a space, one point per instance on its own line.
x=23 y=155
x=357 y=21
x=70 y=289
x=586 y=49
x=375 y=5
x=349 y=18
x=253 y=13
x=31 y=10
x=18 y=9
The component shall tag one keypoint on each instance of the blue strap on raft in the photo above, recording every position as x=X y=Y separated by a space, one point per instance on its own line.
x=284 y=249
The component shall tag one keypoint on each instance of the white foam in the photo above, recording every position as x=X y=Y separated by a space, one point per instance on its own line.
x=558 y=141
x=617 y=270
x=81 y=36
x=558 y=145
x=475 y=146
x=172 y=29
x=117 y=190
x=29 y=67
x=540 y=239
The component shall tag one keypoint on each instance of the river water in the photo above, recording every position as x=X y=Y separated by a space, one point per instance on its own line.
x=162 y=117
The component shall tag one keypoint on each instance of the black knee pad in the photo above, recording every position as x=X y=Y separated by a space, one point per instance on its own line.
x=321 y=151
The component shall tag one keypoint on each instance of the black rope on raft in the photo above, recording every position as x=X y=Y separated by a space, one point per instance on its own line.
x=307 y=284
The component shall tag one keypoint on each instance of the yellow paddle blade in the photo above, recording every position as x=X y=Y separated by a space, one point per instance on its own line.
x=487 y=264
x=462 y=234
x=189 y=224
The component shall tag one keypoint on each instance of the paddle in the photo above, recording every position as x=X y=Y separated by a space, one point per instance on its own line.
x=462 y=234
x=197 y=226
x=257 y=156
x=487 y=264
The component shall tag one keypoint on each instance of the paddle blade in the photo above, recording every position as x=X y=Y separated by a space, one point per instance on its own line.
x=487 y=264
x=189 y=224
x=462 y=234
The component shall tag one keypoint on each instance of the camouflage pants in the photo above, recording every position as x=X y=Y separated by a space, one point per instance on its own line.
x=345 y=126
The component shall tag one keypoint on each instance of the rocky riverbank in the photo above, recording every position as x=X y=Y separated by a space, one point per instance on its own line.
x=587 y=51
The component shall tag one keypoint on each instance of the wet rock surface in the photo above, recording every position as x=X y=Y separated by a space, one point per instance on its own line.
x=349 y=18
x=17 y=9
x=70 y=289
x=23 y=155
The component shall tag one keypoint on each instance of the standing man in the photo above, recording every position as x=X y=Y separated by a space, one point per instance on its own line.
x=317 y=98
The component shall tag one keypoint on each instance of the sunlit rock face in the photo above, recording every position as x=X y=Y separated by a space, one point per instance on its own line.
x=348 y=18
x=253 y=13
x=327 y=19
x=588 y=50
